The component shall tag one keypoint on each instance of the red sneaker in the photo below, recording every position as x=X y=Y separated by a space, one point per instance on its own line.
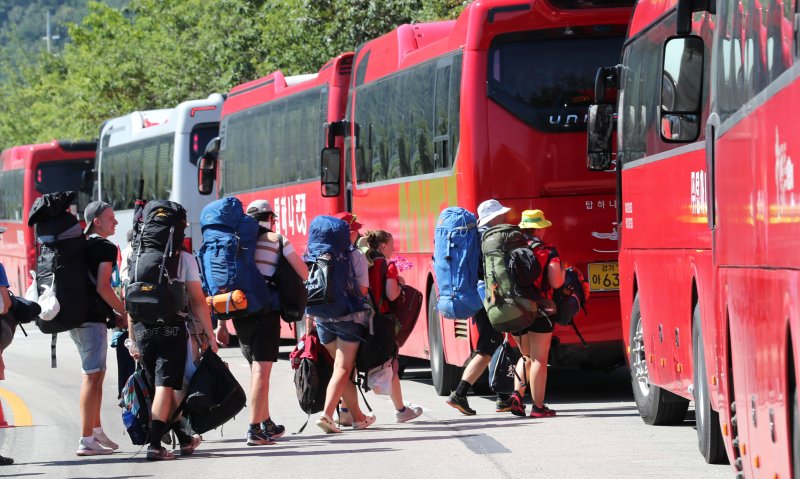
x=516 y=406
x=543 y=411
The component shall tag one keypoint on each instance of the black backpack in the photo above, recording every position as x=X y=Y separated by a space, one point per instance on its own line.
x=313 y=368
x=214 y=395
x=378 y=348
x=60 y=259
x=152 y=296
x=290 y=286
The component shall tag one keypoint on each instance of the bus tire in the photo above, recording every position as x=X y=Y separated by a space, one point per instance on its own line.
x=445 y=376
x=657 y=406
x=709 y=433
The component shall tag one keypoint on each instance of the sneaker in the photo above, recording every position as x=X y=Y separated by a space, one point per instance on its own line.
x=92 y=448
x=105 y=441
x=543 y=411
x=517 y=408
x=345 y=418
x=367 y=422
x=460 y=403
x=326 y=424
x=257 y=437
x=160 y=454
x=409 y=413
x=273 y=430
x=502 y=404
x=6 y=461
x=188 y=449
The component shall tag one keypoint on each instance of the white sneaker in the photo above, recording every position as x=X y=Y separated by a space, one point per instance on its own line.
x=367 y=422
x=345 y=418
x=409 y=413
x=92 y=448
x=104 y=441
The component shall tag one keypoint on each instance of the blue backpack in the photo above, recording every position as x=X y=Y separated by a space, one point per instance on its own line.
x=331 y=278
x=136 y=402
x=227 y=256
x=456 y=254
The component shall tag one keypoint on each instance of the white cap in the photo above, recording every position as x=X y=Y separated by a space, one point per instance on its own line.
x=490 y=209
x=259 y=206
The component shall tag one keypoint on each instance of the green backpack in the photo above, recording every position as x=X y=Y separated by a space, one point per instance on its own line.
x=511 y=272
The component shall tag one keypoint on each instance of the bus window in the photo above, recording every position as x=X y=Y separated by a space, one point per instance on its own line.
x=55 y=176
x=528 y=77
x=11 y=195
x=201 y=135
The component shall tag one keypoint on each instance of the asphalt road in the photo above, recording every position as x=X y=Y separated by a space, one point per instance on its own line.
x=597 y=434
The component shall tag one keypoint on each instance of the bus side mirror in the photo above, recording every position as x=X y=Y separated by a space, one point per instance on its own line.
x=207 y=168
x=330 y=172
x=598 y=138
x=682 y=89
x=87 y=181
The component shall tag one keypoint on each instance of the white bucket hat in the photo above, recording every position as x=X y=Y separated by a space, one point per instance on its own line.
x=490 y=209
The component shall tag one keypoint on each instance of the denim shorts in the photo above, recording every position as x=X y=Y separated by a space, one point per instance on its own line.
x=92 y=342
x=350 y=331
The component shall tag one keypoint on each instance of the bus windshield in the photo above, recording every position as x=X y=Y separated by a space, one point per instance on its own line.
x=55 y=176
x=530 y=79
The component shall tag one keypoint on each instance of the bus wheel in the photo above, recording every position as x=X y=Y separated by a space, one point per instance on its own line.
x=445 y=376
x=656 y=406
x=709 y=434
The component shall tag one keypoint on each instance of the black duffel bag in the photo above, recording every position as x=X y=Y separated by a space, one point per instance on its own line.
x=214 y=395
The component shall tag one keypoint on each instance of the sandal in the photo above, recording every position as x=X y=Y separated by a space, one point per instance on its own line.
x=367 y=422
x=326 y=424
x=160 y=454
x=188 y=449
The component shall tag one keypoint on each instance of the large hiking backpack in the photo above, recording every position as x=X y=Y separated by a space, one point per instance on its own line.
x=136 y=402
x=571 y=296
x=313 y=368
x=60 y=260
x=152 y=296
x=456 y=253
x=510 y=273
x=227 y=256
x=331 y=277
x=214 y=395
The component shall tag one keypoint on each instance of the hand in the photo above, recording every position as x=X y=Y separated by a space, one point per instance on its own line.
x=212 y=341
x=121 y=320
x=222 y=337
x=135 y=355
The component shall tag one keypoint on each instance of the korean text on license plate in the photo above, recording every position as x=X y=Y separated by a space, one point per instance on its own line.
x=603 y=277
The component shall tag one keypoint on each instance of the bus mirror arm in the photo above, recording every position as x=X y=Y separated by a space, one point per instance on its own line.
x=685 y=10
x=606 y=77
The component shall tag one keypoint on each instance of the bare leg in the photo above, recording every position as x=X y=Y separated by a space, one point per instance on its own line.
x=89 y=402
x=259 y=391
x=477 y=365
x=539 y=344
x=99 y=400
x=397 y=393
x=344 y=354
x=523 y=365
x=164 y=404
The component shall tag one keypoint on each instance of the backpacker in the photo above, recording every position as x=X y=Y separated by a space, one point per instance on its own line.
x=227 y=256
x=153 y=296
x=136 y=402
x=60 y=260
x=331 y=277
x=510 y=289
x=214 y=395
x=313 y=367
x=571 y=296
x=456 y=253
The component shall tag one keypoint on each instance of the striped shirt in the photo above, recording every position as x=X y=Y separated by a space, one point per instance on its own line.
x=267 y=253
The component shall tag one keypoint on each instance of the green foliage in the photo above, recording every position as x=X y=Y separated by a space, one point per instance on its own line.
x=158 y=53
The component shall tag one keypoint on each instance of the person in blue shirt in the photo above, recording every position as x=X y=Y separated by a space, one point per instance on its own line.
x=5 y=305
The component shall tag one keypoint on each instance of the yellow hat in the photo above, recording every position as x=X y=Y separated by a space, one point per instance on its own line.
x=534 y=219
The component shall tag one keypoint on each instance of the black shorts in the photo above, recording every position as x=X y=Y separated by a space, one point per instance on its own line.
x=489 y=339
x=539 y=325
x=259 y=336
x=162 y=352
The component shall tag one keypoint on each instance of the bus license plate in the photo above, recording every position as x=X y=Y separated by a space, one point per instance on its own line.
x=603 y=277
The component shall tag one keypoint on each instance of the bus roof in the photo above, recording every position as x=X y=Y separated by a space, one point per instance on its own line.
x=19 y=156
x=335 y=73
x=477 y=26
x=151 y=123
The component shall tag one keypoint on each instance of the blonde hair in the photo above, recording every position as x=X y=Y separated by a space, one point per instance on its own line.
x=375 y=238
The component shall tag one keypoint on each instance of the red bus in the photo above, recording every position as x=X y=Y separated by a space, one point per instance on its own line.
x=271 y=132
x=27 y=173
x=709 y=277
x=457 y=112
